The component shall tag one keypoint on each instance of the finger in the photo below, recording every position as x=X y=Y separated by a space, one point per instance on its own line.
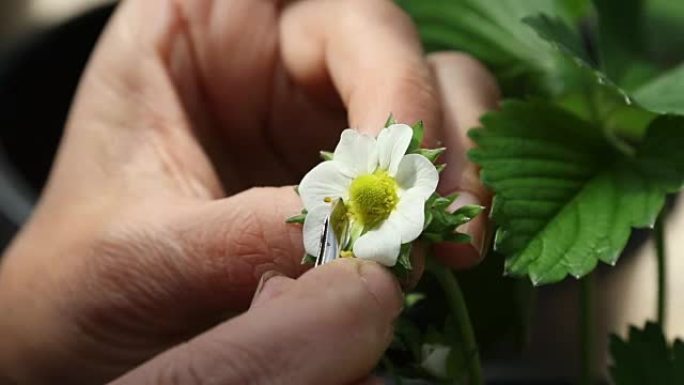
x=369 y=51
x=128 y=119
x=330 y=327
x=277 y=285
x=467 y=91
x=225 y=246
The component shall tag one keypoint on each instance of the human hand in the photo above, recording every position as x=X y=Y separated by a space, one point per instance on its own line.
x=133 y=247
x=328 y=327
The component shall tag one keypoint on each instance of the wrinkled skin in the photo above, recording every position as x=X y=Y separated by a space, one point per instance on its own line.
x=149 y=230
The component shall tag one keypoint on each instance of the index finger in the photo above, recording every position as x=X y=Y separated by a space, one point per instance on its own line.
x=369 y=51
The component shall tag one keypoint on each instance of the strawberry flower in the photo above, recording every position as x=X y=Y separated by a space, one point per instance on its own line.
x=383 y=190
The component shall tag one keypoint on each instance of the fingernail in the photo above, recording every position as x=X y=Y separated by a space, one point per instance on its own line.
x=383 y=286
x=262 y=283
x=472 y=228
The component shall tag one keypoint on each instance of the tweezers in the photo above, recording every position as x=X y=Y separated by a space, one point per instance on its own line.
x=335 y=233
x=329 y=250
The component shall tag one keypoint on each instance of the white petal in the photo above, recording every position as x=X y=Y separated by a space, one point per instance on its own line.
x=417 y=174
x=356 y=152
x=323 y=181
x=313 y=229
x=392 y=144
x=408 y=217
x=380 y=245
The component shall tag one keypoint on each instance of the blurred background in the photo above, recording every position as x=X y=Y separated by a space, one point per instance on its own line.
x=44 y=45
x=19 y=17
x=41 y=57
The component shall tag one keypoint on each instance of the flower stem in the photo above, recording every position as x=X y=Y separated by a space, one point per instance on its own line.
x=659 y=235
x=459 y=311
x=586 y=330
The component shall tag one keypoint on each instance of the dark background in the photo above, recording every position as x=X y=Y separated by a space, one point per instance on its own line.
x=38 y=76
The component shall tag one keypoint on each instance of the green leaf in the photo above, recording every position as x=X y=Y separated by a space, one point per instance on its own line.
x=565 y=198
x=576 y=9
x=664 y=94
x=588 y=92
x=430 y=153
x=646 y=358
x=664 y=29
x=660 y=156
x=598 y=98
x=492 y=31
x=620 y=38
x=556 y=31
x=326 y=155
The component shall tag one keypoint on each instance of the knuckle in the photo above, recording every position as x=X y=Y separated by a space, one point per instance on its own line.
x=375 y=13
x=280 y=242
x=471 y=66
x=415 y=81
x=413 y=86
x=248 y=236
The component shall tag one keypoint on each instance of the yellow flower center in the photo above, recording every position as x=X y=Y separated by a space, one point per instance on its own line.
x=372 y=197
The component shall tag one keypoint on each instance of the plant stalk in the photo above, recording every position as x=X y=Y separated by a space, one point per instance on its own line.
x=587 y=330
x=459 y=311
x=659 y=235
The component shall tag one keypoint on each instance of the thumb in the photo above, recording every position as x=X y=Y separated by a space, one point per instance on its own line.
x=329 y=327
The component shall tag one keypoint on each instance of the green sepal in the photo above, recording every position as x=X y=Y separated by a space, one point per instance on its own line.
x=299 y=218
x=442 y=203
x=440 y=167
x=403 y=267
x=458 y=238
x=413 y=298
x=308 y=259
x=468 y=212
x=417 y=138
x=326 y=155
x=432 y=154
x=428 y=219
x=440 y=224
x=390 y=121
x=454 y=237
